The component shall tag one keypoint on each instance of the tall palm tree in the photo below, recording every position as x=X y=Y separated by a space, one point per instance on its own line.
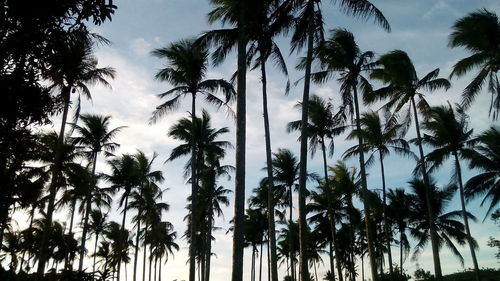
x=238 y=14
x=399 y=214
x=479 y=33
x=95 y=137
x=449 y=135
x=120 y=242
x=309 y=32
x=326 y=206
x=405 y=89
x=72 y=70
x=97 y=226
x=147 y=179
x=340 y=53
x=345 y=182
x=486 y=157
x=380 y=139
x=11 y=247
x=162 y=239
x=186 y=70
x=447 y=224
x=323 y=126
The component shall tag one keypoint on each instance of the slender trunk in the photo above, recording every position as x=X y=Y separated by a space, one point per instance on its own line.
x=466 y=219
x=270 y=178
x=331 y=210
x=362 y=268
x=252 y=266
x=261 y=253
x=430 y=213
x=330 y=256
x=400 y=251
x=208 y=255
x=67 y=262
x=122 y=229
x=303 y=269
x=192 y=250
x=268 y=262
x=43 y=256
x=144 y=261
x=384 y=213
x=156 y=262
x=159 y=270
x=315 y=271
x=364 y=191
x=290 y=237
x=95 y=249
x=239 y=200
x=87 y=212
x=150 y=263
x=137 y=240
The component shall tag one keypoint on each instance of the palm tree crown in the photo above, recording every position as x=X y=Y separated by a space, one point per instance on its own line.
x=479 y=33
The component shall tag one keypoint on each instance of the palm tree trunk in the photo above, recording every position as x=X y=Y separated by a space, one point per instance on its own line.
x=364 y=191
x=252 y=267
x=43 y=256
x=400 y=251
x=137 y=240
x=194 y=182
x=261 y=253
x=95 y=249
x=122 y=230
x=156 y=262
x=303 y=269
x=270 y=178
x=208 y=255
x=331 y=211
x=150 y=262
x=362 y=268
x=239 y=196
x=330 y=256
x=290 y=237
x=384 y=213
x=70 y=231
x=430 y=213
x=466 y=219
x=159 y=269
x=268 y=261
x=144 y=261
x=87 y=213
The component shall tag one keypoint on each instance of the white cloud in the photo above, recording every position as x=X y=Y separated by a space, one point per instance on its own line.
x=141 y=47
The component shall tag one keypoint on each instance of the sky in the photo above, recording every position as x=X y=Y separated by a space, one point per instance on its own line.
x=420 y=28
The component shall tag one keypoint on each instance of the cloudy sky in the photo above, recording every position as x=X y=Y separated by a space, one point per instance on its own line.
x=418 y=27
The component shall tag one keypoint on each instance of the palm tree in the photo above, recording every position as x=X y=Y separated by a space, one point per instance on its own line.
x=487 y=159
x=479 y=33
x=120 y=242
x=255 y=228
x=97 y=226
x=162 y=239
x=95 y=137
x=147 y=178
x=74 y=68
x=186 y=71
x=380 y=139
x=449 y=135
x=399 y=214
x=404 y=88
x=323 y=126
x=346 y=184
x=326 y=206
x=447 y=224
x=309 y=28
x=340 y=53
x=237 y=13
